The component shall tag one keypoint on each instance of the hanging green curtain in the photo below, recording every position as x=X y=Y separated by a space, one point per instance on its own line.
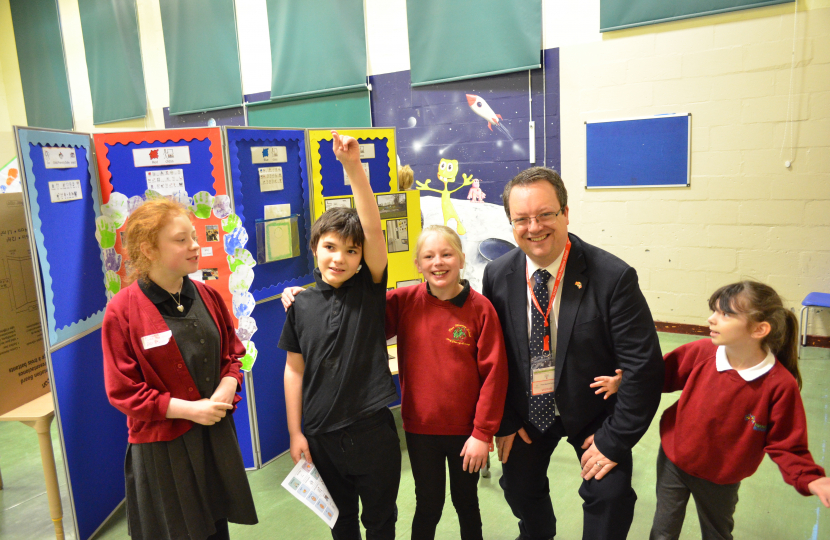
x=451 y=40
x=113 y=60
x=37 y=34
x=619 y=14
x=352 y=110
x=318 y=47
x=202 y=55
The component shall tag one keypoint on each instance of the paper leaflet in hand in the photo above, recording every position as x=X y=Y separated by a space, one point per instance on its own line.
x=304 y=482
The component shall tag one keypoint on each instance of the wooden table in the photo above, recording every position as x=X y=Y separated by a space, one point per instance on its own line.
x=392 y=350
x=38 y=414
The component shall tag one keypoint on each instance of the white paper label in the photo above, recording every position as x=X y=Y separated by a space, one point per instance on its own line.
x=268 y=154
x=156 y=340
x=167 y=182
x=270 y=179
x=274 y=211
x=59 y=158
x=154 y=157
x=367 y=151
x=348 y=181
x=65 y=190
x=207 y=252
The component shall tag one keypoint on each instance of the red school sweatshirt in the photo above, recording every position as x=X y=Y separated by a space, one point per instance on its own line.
x=451 y=362
x=722 y=425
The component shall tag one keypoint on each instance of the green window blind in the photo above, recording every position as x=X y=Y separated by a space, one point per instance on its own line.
x=619 y=14
x=350 y=110
x=202 y=55
x=113 y=60
x=317 y=47
x=451 y=40
x=37 y=34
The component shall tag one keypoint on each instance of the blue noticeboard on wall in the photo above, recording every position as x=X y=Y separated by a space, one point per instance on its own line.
x=639 y=152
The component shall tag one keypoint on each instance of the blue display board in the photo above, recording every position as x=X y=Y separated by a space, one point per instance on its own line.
x=68 y=254
x=333 y=176
x=269 y=390
x=249 y=202
x=640 y=152
x=94 y=432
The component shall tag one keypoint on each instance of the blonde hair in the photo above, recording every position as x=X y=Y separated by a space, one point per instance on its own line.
x=144 y=225
x=444 y=232
x=406 y=176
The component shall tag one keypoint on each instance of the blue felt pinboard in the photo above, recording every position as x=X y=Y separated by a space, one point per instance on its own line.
x=640 y=152
x=269 y=389
x=94 y=432
x=271 y=278
x=131 y=180
x=69 y=256
x=331 y=170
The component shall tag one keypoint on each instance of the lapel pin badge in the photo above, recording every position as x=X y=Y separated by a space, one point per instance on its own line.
x=578 y=284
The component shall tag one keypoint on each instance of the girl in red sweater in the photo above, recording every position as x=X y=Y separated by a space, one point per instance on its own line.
x=453 y=373
x=741 y=391
x=171 y=364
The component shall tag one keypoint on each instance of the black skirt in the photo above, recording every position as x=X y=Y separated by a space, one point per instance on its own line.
x=179 y=489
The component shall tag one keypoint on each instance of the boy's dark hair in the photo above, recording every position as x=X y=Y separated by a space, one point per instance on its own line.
x=531 y=176
x=342 y=221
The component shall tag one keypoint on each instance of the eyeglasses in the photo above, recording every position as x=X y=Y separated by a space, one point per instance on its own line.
x=545 y=218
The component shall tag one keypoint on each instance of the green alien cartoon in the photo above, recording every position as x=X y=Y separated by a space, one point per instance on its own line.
x=447 y=171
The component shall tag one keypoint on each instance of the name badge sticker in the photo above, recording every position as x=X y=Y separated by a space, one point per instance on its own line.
x=156 y=340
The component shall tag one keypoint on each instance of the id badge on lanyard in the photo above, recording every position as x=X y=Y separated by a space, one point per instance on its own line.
x=542 y=374
x=543 y=367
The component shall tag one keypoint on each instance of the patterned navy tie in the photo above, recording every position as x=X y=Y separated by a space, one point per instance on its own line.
x=542 y=409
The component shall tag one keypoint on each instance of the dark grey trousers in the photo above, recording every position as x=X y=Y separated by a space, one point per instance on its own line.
x=715 y=503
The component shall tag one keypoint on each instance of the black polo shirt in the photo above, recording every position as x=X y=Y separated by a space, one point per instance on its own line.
x=340 y=333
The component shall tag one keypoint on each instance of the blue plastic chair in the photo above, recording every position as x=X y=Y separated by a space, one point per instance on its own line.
x=814 y=300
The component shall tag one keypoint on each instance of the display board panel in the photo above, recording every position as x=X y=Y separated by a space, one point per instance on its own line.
x=64 y=228
x=400 y=211
x=639 y=152
x=269 y=175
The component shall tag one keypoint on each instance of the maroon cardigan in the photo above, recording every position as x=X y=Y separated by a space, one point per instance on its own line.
x=139 y=382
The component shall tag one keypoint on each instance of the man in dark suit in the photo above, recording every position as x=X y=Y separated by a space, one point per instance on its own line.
x=570 y=312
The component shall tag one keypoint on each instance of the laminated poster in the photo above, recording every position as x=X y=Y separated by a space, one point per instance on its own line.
x=304 y=482
x=348 y=181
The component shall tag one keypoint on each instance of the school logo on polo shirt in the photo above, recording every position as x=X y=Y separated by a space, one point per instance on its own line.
x=460 y=335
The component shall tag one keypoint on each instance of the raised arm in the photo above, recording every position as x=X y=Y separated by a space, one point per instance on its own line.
x=347 y=151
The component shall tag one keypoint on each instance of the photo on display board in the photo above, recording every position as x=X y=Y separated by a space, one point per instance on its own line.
x=392 y=205
x=397 y=236
x=212 y=233
x=341 y=202
x=210 y=273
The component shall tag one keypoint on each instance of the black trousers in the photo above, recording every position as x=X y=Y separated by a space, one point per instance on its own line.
x=428 y=455
x=361 y=462
x=715 y=503
x=608 y=507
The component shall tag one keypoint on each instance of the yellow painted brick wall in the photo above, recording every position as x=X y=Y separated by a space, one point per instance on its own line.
x=745 y=214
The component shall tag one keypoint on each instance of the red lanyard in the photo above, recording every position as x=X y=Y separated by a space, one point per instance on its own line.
x=559 y=274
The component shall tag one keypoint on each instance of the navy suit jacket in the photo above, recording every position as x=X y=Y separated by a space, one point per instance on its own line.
x=604 y=324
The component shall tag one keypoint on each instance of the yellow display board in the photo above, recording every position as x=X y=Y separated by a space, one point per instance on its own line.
x=400 y=211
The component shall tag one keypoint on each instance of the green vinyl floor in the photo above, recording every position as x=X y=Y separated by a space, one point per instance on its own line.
x=768 y=508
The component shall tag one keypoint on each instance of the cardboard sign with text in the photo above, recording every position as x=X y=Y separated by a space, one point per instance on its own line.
x=23 y=374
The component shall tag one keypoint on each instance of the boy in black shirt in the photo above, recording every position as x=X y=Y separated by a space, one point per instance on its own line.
x=337 y=374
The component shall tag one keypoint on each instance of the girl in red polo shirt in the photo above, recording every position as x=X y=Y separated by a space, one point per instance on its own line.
x=172 y=365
